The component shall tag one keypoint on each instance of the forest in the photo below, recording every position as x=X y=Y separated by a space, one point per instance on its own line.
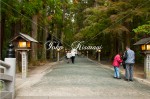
x=114 y=24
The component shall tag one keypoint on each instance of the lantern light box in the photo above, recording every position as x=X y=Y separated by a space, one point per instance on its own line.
x=144 y=44
x=23 y=44
x=23 y=41
x=145 y=47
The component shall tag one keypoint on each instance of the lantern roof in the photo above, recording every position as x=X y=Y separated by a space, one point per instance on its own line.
x=25 y=37
x=143 y=41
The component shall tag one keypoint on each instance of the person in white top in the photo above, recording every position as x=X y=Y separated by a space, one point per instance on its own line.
x=73 y=53
x=68 y=56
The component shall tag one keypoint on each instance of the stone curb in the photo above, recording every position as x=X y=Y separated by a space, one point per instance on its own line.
x=144 y=81
x=41 y=71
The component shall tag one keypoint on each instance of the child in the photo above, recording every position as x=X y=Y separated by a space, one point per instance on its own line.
x=68 y=55
x=116 y=63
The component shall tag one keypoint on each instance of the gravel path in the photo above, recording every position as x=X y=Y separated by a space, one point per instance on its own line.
x=84 y=79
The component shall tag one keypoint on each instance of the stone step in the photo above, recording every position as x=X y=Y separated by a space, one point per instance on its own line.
x=6 y=77
x=33 y=97
x=5 y=95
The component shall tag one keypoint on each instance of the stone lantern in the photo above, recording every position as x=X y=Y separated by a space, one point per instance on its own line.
x=58 y=54
x=145 y=49
x=99 y=56
x=22 y=44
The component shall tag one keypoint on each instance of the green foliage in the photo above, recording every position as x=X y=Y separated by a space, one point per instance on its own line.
x=113 y=24
x=145 y=29
x=31 y=7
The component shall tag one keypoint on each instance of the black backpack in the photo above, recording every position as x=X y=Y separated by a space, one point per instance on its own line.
x=124 y=59
x=125 y=56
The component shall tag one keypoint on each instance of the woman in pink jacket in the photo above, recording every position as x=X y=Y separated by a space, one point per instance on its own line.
x=116 y=63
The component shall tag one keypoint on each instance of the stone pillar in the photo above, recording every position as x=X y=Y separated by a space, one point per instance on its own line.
x=58 y=56
x=24 y=64
x=11 y=60
x=87 y=54
x=99 y=56
x=12 y=72
x=147 y=66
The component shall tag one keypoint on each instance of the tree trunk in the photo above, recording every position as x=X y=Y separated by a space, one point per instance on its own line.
x=95 y=3
x=113 y=46
x=128 y=39
x=62 y=30
x=2 y=30
x=13 y=25
x=0 y=35
x=52 y=53
x=44 y=51
x=0 y=42
x=34 y=35
x=17 y=27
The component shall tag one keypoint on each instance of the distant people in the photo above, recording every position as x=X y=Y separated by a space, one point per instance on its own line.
x=130 y=60
x=68 y=56
x=75 y=50
x=73 y=53
x=116 y=63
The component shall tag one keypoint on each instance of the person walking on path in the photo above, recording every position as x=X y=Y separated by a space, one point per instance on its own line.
x=68 y=55
x=73 y=53
x=130 y=60
x=116 y=63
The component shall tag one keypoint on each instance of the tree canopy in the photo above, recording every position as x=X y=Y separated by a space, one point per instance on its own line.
x=110 y=23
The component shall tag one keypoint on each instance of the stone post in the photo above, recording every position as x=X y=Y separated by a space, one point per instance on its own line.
x=147 y=66
x=99 y=56
x=87 y=54
x=58 y=56
x=11 y=60
x=24 y=64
